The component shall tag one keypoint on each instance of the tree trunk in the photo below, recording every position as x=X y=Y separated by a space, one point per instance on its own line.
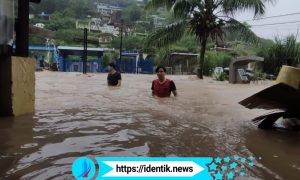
x=202 y=53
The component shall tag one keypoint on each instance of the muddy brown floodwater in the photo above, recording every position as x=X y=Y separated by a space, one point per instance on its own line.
x=78 y=115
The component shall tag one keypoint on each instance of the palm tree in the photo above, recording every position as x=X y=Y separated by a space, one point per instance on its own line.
x=204 y=19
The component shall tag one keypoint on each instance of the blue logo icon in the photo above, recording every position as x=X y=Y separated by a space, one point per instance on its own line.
x=83 y=169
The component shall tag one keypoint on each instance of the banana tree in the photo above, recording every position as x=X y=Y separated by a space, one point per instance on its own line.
x=204 y=19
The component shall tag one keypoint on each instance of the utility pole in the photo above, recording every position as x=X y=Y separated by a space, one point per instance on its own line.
x=84 y=56
x=121 y=42
x=22 y=27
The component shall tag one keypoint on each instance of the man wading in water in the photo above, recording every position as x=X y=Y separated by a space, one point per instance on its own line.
x=163 y=87
x=113 y=77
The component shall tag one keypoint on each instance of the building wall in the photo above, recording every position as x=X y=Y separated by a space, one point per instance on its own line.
x=93 y=66
x=134 y=64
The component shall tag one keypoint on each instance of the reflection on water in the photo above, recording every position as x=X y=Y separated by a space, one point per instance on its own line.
x=97 y=121
x=58 y=137
x=279 y=149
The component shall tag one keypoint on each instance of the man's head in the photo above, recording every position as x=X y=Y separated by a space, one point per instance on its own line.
x=161 y=72
x=112 y=66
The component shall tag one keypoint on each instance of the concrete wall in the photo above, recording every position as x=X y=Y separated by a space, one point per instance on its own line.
x=23 y=85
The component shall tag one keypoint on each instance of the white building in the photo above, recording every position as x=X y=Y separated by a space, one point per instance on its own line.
x=94 y=25
x=106 y=8
x=158 y=21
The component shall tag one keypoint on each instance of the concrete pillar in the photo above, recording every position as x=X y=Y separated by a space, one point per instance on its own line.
x=5 y=81
x=17 y=85
x=22 y=28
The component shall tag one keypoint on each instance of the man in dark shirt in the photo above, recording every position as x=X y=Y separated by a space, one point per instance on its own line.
x=163 y=87
x=114 y=77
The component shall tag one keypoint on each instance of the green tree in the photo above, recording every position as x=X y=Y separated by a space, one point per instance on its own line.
x=283 y=52
x=66 y=36
x=204 y=19
x=215 y=59
x=79 y=8
x=107 y=57
x=132 y=13
x=60 y=21
x=129 y=43
x=49 y=6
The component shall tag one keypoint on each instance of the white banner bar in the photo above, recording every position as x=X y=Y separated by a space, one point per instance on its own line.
x=152 y=169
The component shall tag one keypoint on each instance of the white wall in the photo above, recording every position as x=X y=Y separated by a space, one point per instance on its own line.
x=6 y=22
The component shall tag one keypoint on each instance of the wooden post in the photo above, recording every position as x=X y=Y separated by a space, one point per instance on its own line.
x=22 y=27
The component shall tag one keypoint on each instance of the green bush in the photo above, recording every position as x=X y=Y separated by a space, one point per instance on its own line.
x=284 y=51
x=215 y=59
x=107 y=57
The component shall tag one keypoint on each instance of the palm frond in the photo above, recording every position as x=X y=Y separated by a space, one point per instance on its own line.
x=166 y=35
x=182 y=8
x=155 y=4
x=232 y=6
x=199 y=4
x=241 y=31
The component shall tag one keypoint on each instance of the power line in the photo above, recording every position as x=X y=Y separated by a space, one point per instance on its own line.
x=283 y=26
x=271 y=24
x=270 y=17
x=278 y=28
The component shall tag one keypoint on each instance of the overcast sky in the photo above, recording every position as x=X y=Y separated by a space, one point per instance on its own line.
x=279 y=8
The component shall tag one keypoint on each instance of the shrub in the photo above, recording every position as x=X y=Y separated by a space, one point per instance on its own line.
x=213 y=60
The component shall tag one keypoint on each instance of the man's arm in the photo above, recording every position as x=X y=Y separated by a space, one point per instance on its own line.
x=174 y=93
x=173 y=89
x=119 y=83
x=119 y=79
x=107 y=80
x=152 y=88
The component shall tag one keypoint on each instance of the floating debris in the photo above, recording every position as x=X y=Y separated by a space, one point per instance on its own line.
x=283 y=98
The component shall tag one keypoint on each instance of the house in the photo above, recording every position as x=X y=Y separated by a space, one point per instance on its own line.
x=97 y=25
x=182 y=63
x=105 y=38
x=106 y=9
x=44 y=16
x=70 y=59
x=134 y=61
x=158 y=21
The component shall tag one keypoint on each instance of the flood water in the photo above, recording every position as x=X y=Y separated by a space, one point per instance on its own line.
x=78 y=115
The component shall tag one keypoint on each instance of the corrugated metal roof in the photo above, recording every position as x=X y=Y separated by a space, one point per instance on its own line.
x=81 y=48
x=185 y=54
